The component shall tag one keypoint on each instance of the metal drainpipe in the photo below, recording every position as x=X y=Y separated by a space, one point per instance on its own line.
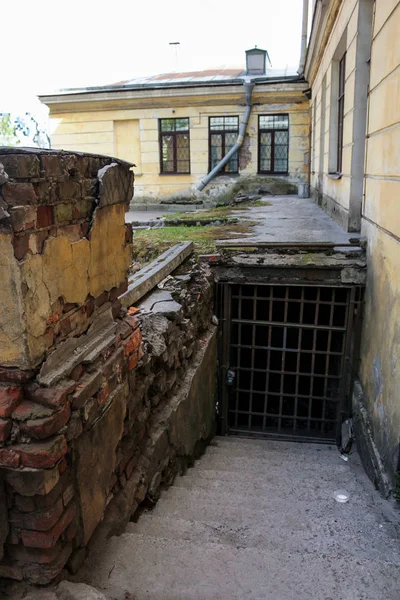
x=248 y=85
x=304 y=32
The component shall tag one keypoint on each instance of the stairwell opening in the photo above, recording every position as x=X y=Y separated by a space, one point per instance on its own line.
x=287 y=354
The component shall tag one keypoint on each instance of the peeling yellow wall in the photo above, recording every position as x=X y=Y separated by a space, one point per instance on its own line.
x=132 y=134
x=12 y=329
x=336 y=190
x=380 y=221
x=380 y=356
x=65 y=269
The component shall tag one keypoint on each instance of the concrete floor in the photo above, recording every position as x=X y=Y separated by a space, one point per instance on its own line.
x=257 y=520
x=282 y=219
x=291 y=219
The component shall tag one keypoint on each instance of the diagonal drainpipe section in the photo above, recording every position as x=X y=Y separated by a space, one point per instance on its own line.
x=248 y=85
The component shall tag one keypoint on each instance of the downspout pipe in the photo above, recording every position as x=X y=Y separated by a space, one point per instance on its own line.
x=303 y=45
x=248 y=86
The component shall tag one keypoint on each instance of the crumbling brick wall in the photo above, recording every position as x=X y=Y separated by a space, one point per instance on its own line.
x=99 y=405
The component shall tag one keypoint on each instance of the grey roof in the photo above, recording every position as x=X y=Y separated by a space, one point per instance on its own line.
x=221 y=76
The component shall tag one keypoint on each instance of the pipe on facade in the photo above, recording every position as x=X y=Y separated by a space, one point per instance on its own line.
x=303 y=45
x=248 y=86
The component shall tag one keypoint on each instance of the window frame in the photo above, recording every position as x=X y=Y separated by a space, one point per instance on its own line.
x=174 y=133
x=340 y=109
x=272 y=130
x=222 y=132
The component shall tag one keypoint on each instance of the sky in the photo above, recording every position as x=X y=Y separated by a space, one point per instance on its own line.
x=52 y=44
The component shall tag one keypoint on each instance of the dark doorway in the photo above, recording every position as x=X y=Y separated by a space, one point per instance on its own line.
x=286 y=353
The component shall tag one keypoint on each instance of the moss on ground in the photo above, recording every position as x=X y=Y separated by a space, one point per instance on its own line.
x=150 y=243
x=220 y=213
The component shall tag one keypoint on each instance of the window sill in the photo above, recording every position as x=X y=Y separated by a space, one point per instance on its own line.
x=272 y=173
x=172 y=174
x=334 y=175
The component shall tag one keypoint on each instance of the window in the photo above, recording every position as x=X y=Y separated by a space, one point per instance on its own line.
x=273 y=143
x=342 y=71
x=223 y=132
x=174 y=146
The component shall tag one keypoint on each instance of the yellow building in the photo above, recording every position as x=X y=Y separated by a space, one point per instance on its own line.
x=353 y=68
x=175 y=128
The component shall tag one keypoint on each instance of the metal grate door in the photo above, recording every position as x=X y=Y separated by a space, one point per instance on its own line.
x=286 y=353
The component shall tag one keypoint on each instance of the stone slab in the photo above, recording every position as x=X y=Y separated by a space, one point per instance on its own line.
x=147 y=278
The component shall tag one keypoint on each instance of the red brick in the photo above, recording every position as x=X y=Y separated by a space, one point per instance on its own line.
x=123 y=330
x=44 y=428
x=133 y=361
x=132 y=321
x=15 y=375
x=41 y=539
x=133 y=342
x=86 y=388
x=53 y=397
x=68 y=494
x=34 y=555
x=31 y=482
x=16 y=194
x=75 y=427
x=100 y=300
x=38 y=521
x=103 y=394
x=22 y=217
x=42 y=455
x=24 y=503
x=44 y=216
x=47 y=572
x=63 y=466
x=65 y=326
x=13 y=537
x=71 y=531
x=10 y=397
x=76 y=373
x=30 y=410
x=21 y=165
x=9 y=458
x=21 y=245
x=5 y=429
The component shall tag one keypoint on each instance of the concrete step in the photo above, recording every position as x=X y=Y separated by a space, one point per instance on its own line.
x=144 y=567
x=268 y=484
x=327 y=536
x=203 y=504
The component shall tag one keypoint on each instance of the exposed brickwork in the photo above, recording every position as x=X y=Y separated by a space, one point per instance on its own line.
x=69 y=443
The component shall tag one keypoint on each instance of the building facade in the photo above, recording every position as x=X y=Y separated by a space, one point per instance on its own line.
x=353 y=68
x=175 y=128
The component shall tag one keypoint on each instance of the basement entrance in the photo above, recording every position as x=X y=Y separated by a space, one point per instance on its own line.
x=287 y=353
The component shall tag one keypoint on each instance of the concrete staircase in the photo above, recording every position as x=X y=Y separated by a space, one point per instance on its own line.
x=257 y=520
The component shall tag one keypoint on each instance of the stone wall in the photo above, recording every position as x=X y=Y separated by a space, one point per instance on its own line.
x=99 y=405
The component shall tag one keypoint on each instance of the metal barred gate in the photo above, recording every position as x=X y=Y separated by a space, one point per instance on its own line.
x=286 y=353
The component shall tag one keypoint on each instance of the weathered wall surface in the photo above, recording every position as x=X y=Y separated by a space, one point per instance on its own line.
x=380 y=358
x=370 y=30
x=340 y=194
x=89 y=126
x=62 y=241
x=115 y=405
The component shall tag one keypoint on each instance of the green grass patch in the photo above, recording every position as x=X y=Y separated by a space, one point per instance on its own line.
x=148 y=244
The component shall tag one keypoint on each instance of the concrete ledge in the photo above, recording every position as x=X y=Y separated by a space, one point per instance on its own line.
x=367 y=449
x=147 y=278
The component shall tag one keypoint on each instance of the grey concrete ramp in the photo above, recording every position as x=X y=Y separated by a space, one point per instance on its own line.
x=257 y=520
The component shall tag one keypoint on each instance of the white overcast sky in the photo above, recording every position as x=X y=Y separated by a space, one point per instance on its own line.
x=50 y=44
